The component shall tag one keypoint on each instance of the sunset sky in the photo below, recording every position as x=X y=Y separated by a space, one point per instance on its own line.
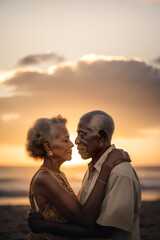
x=71 y=57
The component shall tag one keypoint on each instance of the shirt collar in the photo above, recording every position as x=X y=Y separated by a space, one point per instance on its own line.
x=101 y=160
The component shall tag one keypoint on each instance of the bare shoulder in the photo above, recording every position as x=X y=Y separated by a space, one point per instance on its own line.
x=42 y=178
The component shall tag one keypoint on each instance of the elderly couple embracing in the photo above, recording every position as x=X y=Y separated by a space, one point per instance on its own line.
x=108 y=203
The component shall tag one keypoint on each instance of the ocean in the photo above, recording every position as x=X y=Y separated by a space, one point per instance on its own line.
x=14 y=182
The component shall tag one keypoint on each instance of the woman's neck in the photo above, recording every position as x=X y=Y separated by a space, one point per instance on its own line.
x=52 y=164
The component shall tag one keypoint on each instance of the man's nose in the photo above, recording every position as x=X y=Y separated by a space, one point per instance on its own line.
x=77 y=141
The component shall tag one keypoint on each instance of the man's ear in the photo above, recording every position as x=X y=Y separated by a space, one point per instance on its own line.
x=102 y=135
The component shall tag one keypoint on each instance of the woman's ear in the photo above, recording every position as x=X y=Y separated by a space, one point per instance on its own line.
x=48 y=150
x=102 y=136
x=46 y=146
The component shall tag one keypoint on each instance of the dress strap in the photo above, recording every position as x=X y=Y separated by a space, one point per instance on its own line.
x=35 y=203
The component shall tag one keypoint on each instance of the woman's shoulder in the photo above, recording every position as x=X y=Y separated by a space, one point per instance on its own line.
x=43 y=176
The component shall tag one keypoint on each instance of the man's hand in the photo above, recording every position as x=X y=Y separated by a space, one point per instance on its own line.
x=35 y=221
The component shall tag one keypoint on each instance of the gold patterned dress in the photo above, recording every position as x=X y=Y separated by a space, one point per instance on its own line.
x=50 y=213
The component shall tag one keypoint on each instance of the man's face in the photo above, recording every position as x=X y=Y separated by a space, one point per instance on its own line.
x=87 y=140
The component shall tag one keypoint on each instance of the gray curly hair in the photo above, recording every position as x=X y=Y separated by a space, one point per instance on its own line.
x=39 y=133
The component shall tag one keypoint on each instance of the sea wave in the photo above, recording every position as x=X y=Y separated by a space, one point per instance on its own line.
x=24 y=193
x=144 y=187
x=4 y=180
x=13 y=193
x=14 y=181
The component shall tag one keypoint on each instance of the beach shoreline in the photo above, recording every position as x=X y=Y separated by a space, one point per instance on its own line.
x=14 y=224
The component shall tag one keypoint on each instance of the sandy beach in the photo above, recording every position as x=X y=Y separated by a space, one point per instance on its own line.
x=13 y=224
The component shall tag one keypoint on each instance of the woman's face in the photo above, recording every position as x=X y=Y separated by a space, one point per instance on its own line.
x=62 y=146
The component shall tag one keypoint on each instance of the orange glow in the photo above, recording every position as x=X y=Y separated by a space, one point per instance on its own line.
x=143 y=151
x=65 y=90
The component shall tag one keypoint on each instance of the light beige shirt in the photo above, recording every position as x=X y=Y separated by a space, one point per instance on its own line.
x=121 y=205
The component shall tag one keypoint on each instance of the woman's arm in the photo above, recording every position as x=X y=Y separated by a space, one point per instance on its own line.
x=69 y=205
x=83 y=215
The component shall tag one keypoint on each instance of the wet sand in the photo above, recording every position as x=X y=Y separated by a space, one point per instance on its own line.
x=13 y=224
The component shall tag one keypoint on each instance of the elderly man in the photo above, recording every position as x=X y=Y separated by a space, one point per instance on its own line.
x=119 y=214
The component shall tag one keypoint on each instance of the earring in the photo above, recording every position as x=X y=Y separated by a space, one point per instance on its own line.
x=50 y=154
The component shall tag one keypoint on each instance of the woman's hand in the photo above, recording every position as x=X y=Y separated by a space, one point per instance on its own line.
x=115 y=157
x=35 y=221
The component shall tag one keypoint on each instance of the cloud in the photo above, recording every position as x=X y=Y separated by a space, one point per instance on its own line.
x=128 y=89
x=5 y=75
x=157 y=60
x=40 y=58
x=10 y=116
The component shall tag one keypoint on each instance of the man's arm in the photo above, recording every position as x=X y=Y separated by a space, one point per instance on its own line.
x=69 y=229
x=72 y=230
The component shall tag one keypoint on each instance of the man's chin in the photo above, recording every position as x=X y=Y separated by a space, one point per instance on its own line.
x=84 y=156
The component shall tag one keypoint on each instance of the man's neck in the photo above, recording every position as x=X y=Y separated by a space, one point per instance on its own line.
x=98 y=155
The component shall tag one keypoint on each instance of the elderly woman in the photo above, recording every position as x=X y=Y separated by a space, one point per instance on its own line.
x=50 y=193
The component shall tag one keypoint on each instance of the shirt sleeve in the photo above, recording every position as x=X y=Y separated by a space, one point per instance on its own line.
x=118 y=206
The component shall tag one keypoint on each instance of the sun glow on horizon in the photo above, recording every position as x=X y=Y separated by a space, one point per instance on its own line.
x=17 y=156
x=76 y=158
x=143 y=152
